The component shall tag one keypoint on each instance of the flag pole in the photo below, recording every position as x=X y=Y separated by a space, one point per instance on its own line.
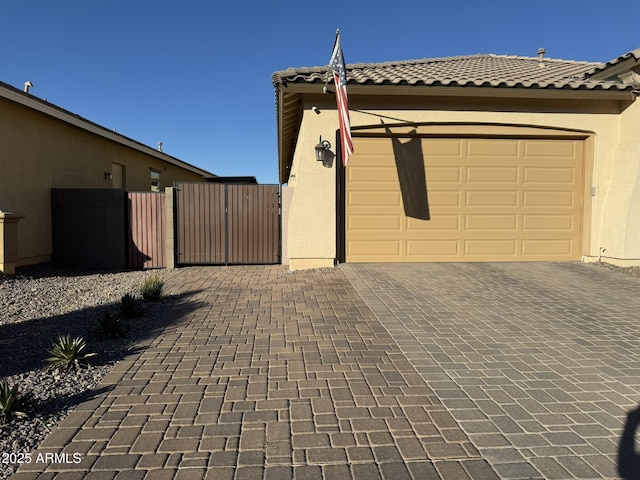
x=326 y=82
x=338 y=68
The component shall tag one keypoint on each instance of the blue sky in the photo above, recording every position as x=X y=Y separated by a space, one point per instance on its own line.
x=196 y=74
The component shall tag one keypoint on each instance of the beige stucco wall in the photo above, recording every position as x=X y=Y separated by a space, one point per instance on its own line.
x=286 y=197
x=311 y=236
x=40 y=152
x=612 y=224
x=619 y=231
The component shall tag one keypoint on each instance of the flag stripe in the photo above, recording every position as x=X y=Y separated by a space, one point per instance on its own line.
x=337 y=65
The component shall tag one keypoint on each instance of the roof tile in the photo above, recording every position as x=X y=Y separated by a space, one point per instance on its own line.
x=481 y=70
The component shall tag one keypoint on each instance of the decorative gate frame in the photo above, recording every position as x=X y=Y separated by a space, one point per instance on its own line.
x=227 y=224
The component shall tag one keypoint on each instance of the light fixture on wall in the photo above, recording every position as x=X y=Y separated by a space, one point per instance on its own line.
x=108 y=175
x=323 y=153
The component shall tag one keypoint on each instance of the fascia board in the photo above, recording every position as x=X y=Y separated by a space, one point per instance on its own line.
x=457 y=91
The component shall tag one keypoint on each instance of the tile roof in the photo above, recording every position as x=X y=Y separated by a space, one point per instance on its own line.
x=482 y=70
x=632 y=55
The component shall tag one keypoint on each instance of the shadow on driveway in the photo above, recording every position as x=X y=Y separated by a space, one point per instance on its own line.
x=628 y=457
x=25 y=345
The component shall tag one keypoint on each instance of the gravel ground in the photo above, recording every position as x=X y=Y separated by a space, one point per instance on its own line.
x=633 y=271
x=38 y=304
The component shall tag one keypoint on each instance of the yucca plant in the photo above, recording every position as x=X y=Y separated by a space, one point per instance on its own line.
x=130 y=306
x=68 y=353
x=151 y=288
x=11 y=402
x=110 y=326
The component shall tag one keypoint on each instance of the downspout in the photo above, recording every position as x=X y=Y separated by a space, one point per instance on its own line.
x=278 y=95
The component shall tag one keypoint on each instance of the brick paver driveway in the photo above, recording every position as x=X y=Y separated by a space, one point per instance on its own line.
x=426 y=371
x=538 y=363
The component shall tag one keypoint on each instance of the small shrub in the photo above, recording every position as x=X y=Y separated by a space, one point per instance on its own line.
x=151 y=289
x=68 y=353
x=110 y=326
x=11 y=402
x=130 y=306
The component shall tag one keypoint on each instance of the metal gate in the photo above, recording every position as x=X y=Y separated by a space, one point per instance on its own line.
x=146 y=236
x=222 y=224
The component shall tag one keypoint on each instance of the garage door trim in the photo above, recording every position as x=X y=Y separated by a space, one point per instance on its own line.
x=476 y=131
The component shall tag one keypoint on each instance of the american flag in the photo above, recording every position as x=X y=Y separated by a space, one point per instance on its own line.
x=340 y=78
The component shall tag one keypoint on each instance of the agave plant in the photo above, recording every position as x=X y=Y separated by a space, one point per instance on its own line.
x=68 y=353
x=151 y=289
x=130 y=306
x=11 y=402
x=110 y=326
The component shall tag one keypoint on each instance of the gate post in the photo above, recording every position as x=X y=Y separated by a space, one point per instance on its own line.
x=170 y=252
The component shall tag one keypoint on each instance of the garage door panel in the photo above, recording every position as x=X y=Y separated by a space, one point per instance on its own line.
x=444 y=199
x=375 y=149
x=492 y=148
x=489 y=199
x=442 y=148
x=562 y=222
x=494 y=198
x=449 y=223
x=549 y=199
x=373 y=223
x=550 y=148
x=440 y=175
x=550 y=175
x=374 y=248
x=490 y=222
x=382 y=174
x=547 y=247
x=490 y=248
x=375 y=187
x=492 y=174
x=433 y=248
x=379 y=198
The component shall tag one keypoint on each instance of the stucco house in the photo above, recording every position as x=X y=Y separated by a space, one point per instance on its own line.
x=467 y=158
x=44 y=147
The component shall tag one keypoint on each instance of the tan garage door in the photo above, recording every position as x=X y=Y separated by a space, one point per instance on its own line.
x=489 y=200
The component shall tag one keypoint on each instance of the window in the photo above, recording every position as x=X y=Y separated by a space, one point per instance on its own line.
x=155 y=180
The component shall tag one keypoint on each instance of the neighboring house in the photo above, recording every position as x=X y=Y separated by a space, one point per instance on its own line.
x=469 y=158
x=45 y=147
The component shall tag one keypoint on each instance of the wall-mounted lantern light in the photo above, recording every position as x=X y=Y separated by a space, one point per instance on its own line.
x=323 y=153
x=108 y=175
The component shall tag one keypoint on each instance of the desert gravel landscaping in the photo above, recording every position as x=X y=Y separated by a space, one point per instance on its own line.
x=40 y=303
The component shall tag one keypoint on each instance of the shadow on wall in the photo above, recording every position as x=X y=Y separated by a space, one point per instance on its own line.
x=628 y=458
x=412 y=177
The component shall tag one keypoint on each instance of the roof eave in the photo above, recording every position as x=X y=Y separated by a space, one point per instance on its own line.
x=617 y=66
x=288 y=120
x=472 y=91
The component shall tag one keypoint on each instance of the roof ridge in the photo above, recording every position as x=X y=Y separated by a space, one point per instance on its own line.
x=427 y=60
x=477 y=56
x=415 y=61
